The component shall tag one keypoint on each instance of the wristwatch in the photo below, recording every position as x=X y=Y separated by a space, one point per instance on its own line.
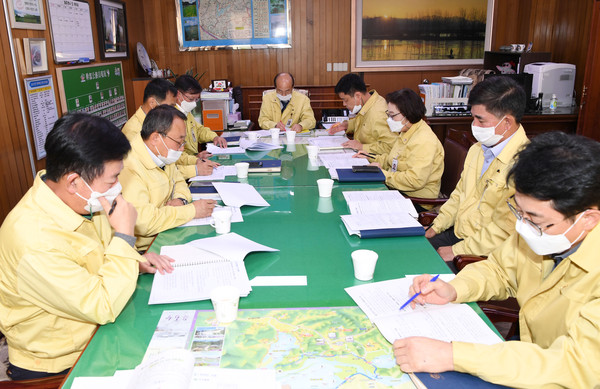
x=184 y=201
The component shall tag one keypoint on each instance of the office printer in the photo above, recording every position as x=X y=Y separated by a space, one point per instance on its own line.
x=552 y=78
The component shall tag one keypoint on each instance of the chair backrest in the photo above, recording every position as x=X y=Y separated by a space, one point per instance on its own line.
x=456 y=146
x=53 y=382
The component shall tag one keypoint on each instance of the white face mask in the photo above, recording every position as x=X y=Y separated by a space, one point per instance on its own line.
x=187 y=106
x=172 y=155
x=396 y=126
x=93 y=204
x=284 y=98
x=545 y=244
x=487 y=135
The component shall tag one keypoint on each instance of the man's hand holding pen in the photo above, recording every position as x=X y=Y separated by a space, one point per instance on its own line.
x=121 y=214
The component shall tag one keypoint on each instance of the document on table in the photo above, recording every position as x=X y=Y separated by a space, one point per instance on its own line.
x=378 y=201
x=236 y=217
x=378 y=221
x=341 y=160
x=216 y=150
x=239 y=194
x=328 y=142
x=231 y=246
x=218 y=173
x=259 y=145
x=325 y=132
x=381 y=301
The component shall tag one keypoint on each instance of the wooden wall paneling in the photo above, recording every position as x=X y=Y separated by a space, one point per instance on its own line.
x=590 y=100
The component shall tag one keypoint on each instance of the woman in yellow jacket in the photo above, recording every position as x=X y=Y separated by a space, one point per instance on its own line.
x=415 y=163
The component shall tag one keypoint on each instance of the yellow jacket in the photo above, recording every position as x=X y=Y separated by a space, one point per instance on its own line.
x=477 y=207
x=195 y=133
x=60 y=275
x=559 y=317
x=420 y=157
x=370 y=127
x=148 y=188
x=298 y=110
x=133 y=127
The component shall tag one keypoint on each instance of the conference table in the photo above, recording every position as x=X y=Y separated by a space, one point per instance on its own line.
x=312 y=240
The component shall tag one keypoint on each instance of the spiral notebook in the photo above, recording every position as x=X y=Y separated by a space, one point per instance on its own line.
x=196 y=272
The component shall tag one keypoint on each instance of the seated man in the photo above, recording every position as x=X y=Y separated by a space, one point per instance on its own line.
x=158 y=91
x=550 y=265
x=369 y=125
x=474 y=220
x=193 y=163
x=151 y=181
x=63 y=270
x=286 y=108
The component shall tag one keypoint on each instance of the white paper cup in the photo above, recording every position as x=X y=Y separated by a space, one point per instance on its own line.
x=225 y=300
x=252 y=136
x=290 y=136
x=313 y=151
x=364 y=262
x=241 y=169
x=325 y=186
x=221 y=220
x=274 y=133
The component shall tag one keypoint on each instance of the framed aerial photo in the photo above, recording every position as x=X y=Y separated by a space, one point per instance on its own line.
x=27 y=14
x=112 y=29
x=428 y=34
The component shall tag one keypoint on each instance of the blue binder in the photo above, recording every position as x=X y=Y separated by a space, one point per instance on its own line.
x=455 y=380
x=392 y=232
x=347 y=175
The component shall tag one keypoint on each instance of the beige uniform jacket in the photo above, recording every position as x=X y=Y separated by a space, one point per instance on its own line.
x=133 y=127
x=370 y=127
x=559 y=317
x=148 y=188
x=195 y=133
x=60 y=275
x=420 y=162
x=298 y=111
x=477 y=207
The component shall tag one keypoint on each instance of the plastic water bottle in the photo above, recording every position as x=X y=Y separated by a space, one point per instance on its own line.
x=553 y=102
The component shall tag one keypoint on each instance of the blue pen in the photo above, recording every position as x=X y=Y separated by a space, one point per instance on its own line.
x=414 y=296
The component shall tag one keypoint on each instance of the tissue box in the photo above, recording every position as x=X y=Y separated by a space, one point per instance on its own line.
x=233 y=117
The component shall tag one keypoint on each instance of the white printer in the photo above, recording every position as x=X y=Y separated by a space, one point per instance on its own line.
x=552 y=78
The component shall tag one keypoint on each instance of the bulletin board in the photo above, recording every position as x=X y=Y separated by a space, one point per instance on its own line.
x=96 y=89
x=42 y=110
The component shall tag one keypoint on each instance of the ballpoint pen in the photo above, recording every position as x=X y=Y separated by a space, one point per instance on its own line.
x=414 y=296
x=112 y=207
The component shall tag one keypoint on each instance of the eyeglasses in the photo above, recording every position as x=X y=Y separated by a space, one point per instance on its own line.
x=180 y=144
x=519 y=215
x=393 y=115
x=190 y=99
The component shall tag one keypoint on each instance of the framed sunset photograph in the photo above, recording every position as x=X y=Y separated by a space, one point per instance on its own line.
x=428 y=34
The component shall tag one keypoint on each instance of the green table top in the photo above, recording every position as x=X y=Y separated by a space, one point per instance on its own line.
x=312 y=241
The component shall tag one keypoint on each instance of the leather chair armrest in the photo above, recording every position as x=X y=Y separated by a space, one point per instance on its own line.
x=426 y=218
x=460 y=261
x=424 y=201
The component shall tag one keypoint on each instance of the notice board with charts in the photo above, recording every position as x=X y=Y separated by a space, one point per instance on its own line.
x=96 y=89
x=215 y=24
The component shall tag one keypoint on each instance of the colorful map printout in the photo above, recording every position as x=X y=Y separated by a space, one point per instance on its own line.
x=307 y=347
x=210 y=23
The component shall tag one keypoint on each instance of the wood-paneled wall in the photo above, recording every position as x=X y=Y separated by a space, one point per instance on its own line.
x=320 y=35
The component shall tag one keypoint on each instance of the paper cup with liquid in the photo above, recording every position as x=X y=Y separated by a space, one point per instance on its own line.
x=364 y=262
x=222 y=220
x=225 y=300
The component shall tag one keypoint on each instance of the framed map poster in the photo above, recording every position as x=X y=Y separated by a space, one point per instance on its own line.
x=236 y=24
x=419 y=35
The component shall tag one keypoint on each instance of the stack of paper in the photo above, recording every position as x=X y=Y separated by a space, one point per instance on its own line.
x=329 y=143
x=218 y=173
x=259 y=145
x=202 y=265
x=238 y=194
x=215 y=150
x=379 y=214
x=341 y=161
x=381 y=302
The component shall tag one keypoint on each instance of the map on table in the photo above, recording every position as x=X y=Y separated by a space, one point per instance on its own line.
x=307 y=347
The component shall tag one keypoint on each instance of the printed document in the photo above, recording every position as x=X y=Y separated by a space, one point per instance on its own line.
x=216 y=150
x=238 y=194
x=381 y=301
x=236 y=217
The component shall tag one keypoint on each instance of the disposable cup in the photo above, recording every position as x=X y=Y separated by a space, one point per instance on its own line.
x=325 y=186
x=252 y=136
x=222 y=220
x=364 y=262
x=225 y=300
x=290 y=136
x=241 y=169
x=274 y=133
x=313 y=151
